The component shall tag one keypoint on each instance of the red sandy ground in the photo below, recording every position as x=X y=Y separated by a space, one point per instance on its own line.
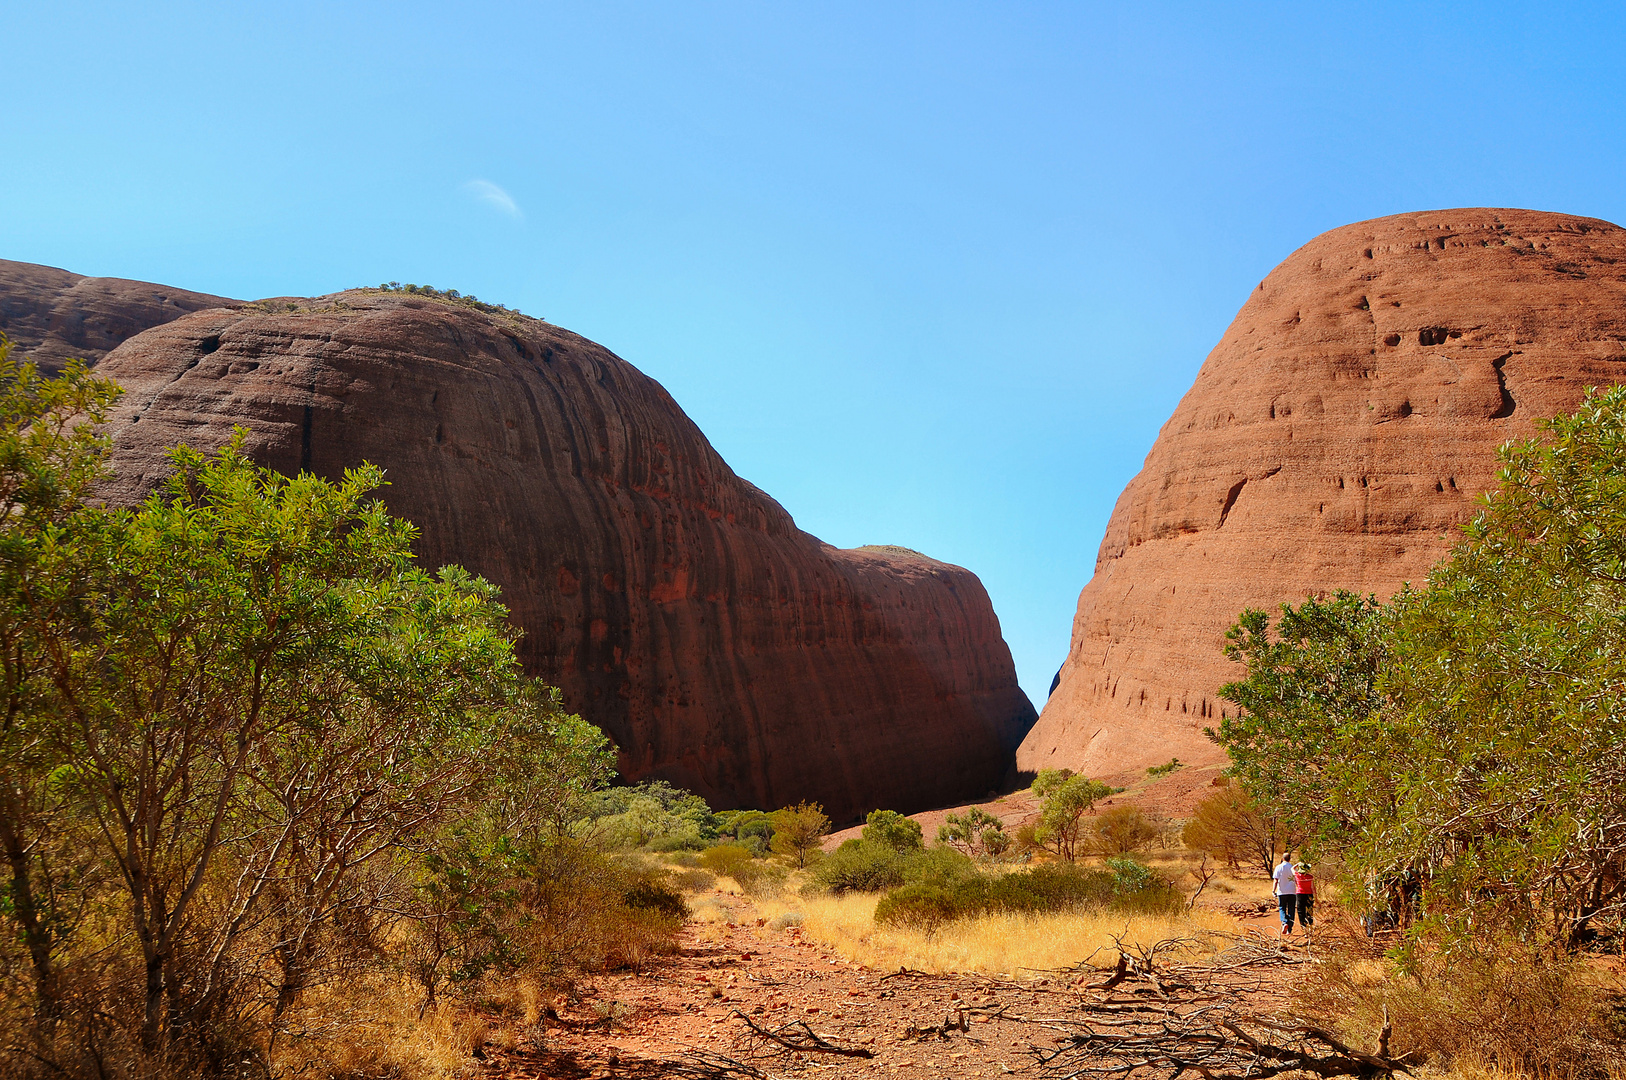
x=641 y=1025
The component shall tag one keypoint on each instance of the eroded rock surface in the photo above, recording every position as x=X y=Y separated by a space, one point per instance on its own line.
x=51 y=315
x=1335 y=438
x=675 y=604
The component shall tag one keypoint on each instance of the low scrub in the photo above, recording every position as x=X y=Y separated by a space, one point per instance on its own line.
x=871 y=866
x=737 y=861
x=1505 y=1011
x=1124 y=885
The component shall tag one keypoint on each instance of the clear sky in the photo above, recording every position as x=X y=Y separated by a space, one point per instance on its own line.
x=930 y=274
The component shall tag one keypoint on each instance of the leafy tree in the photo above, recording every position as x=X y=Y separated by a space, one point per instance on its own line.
x=232 y=717
x=976 y=832
x=892 y=829
x=1048 y=780
x=798 y=829
x=1470 y=738
x=248 y=644
x=753 y=828
x=1067 y=799
x=1311 y=704
x=51 y=453
x=653 y=814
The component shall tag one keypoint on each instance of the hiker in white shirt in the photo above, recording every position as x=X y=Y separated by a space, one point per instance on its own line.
x=1287 y=889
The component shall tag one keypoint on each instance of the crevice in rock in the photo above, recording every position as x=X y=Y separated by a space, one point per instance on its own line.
x=1508 y=404
x=1230 y=501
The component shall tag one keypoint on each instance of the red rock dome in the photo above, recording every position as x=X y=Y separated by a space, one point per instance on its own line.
x=675 y=604
x=1335 y=438
x=52 y=315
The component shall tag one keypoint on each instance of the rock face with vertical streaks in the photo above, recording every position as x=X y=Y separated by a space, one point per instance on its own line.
x=1335 y=438
x=51 y=315
x=675 y=604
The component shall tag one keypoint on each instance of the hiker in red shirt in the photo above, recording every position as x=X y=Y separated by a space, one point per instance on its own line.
x=1304 y=883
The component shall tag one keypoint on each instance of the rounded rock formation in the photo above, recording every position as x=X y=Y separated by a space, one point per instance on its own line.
x=52 y=315
x=1335 y=438
x=675 y=604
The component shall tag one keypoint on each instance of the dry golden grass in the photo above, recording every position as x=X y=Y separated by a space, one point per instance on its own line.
x=374 y=1029
x=991 y=944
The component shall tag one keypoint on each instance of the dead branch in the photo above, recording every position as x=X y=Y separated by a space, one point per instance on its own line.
x=706 y=1065
x=904 y=972
x=954 y=1021
x=1203 y=875
x=797 y=1036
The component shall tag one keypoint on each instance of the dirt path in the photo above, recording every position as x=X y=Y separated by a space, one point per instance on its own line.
x=698 y=1006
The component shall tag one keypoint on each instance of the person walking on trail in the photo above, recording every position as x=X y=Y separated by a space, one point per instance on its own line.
x=1304 y=889
x=1287 y=891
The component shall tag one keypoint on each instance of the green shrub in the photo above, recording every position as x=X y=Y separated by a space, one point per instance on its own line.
x=694 y=880
x=892 y=829
x=752 y=828
x=920 y=906
x=977 y=832
x=1122 y=829
x=860 y=866
x=736 y=861
x=681 y=842
x=938 y=866
x=1126 y=886
x=726 y=860
x=647 y=892
x=653 y=815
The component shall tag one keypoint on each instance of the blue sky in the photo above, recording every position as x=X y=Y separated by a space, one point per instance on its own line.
x=929 y=274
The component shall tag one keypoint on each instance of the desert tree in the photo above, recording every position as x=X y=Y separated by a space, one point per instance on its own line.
x=797 y=830
x=1066 y=801
x=51 y=455
x=1469 y=738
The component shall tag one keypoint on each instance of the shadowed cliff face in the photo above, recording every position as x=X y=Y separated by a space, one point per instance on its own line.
x=52 y=315
x=675 y=604
x=1335 y=438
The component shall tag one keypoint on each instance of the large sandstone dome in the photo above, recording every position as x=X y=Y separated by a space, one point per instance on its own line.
x=677 y=606
x=51 y=315
x=1335 y=438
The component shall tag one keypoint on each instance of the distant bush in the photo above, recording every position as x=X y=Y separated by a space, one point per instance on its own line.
x=449 y=296
x=736 y=861
x=938 y=866
x=753 y=828
x=726 y=859
x=797 y=831
x=1165 y=769
x=1234 y=829
x=1122 y=829
x=648 y=892
x=1132 y=887
x=894 y=830
x=654 y=816
x=694 y=880
x=976 y=832
x=868 y=866
x=860 y=866
x=1066 y=799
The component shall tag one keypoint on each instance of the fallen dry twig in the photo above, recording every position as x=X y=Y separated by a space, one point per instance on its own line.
x=797 y=1036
